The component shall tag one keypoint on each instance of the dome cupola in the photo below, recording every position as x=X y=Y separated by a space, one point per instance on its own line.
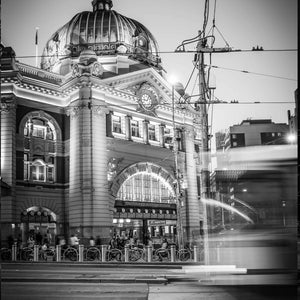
x=103 y=31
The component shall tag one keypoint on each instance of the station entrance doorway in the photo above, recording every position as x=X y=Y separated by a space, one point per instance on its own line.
x=142 y=220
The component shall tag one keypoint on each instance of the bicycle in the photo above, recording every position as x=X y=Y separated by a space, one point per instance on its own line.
x=136 y=254
x=161 y=254
x=71 y=253
x=6 y=254
x=114 y=255
x=26 y=254
x=93 y=253
x=184 y=254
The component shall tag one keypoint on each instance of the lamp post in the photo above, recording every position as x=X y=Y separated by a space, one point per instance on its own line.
x=172 y=80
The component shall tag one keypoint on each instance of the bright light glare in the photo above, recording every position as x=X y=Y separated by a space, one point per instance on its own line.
x=172 y=79
x=291 y=138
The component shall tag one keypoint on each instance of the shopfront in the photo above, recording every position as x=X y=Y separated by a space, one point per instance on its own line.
x=145 y=219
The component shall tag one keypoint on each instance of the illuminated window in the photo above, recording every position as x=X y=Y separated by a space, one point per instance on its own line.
x=116 y=124
x=148 y=187
x=38 y=170
x=168 y=137
x=135 y=128
x=151 y=132
x=39 y=128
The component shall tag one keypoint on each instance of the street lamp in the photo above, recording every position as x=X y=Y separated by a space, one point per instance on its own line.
x=173 y=81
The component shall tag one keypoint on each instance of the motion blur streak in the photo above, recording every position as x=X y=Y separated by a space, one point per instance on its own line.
x=226 y=206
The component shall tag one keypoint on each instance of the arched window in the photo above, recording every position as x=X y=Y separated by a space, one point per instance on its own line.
x=39 y=128
x=41 y=135
x=146 y=187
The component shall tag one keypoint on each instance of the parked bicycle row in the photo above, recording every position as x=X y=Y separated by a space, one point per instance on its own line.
x=103 y=253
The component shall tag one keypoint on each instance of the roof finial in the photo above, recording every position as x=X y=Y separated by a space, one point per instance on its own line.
x=102 y=4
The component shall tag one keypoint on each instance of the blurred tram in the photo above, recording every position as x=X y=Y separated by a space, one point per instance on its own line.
x=252 y=215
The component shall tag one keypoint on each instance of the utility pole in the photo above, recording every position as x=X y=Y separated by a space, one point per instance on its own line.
x=177 y=183
x=204 y=175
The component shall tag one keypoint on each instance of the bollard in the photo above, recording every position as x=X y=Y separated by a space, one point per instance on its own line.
x=172 y=253
x=58 y=253
x=103 y=252
x=14 y=252
x=36 y=253
x=149 y=253
x=195 y=253
x=126 y=253
x=81 y=247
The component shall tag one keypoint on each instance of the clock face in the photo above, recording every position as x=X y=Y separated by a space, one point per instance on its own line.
x=146 y=100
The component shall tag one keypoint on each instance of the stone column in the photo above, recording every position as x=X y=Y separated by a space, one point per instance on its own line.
x=145 y=132
x=88 y=197
x=192 y=225
x=127 y=128
x=8 y=163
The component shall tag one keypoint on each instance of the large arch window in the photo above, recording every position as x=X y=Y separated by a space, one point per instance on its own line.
x=41 y=134
x=147 y=187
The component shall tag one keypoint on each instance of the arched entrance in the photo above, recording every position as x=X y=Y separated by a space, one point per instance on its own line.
x=37 y=221
x=145 y=203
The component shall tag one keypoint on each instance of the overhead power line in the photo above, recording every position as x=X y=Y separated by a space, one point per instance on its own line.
x=179 y=52
x=250 y=72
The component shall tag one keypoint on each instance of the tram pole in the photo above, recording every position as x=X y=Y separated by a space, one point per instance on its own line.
x=177 y=182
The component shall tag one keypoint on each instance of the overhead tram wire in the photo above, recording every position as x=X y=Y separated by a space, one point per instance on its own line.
x=250 y=72
x=180 y=52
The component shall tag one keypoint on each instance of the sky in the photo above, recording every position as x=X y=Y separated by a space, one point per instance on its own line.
x=241 y=24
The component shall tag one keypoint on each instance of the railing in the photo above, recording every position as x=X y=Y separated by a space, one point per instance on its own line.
x=102 y=254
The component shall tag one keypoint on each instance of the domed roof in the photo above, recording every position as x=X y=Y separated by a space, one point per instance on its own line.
x=104 y=31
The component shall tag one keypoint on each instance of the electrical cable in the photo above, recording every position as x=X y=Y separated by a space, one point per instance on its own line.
x=178 y=52
x=250 y=72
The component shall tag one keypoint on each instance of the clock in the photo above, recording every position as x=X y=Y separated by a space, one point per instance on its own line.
x=146 y=100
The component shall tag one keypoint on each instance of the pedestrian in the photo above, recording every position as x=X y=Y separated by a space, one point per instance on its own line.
x=164 y=244
x=30 y=242
x=39 y=238
x=10 y=241
x=45 y=239
x=74 y=241
x=92 y=241
x=98 y=241
x=49 y=236
x=112 y=243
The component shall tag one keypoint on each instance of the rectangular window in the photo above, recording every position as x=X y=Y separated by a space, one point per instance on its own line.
x=151 y=131
x=135 y=128
x=116 y=124
x=34 y=172
x=25 y=171
x=237 y=140
x=50 y=174
x=37 y=173
x=168 y=138
x=38 y=131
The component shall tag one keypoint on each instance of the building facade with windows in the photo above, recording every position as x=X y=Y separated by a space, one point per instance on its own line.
x=253 y=132
x=88 y=141
x=255 y=174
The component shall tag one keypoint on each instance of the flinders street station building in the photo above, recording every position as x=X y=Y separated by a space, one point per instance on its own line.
x=96 y=141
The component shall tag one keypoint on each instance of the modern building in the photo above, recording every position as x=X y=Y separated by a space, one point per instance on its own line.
x=253 y=132
x=90 y=139
x=256 y=174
